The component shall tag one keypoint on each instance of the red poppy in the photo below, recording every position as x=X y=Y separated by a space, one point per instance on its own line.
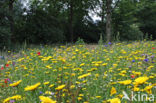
x=2 y=68
x=38 y=53
x=153 y=48
x=132 y=76
x=7 y=65
x=5 y=81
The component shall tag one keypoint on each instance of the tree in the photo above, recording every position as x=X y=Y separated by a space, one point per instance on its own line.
x=11 y=19
x=71 y=19
x=109 y=10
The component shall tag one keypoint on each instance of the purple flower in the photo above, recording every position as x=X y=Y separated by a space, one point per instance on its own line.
x=13 y=63
x=12 y=101
x=2 y=57
x=8 y=80
x=41 y=92
x=106 y=45
x=109 y=43
x=133 y=60
x=146 y=60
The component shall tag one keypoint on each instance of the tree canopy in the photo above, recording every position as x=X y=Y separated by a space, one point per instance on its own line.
x=62 y=21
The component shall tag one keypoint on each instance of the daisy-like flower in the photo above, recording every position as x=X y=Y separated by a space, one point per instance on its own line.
x=125 y=82
x=140 y=80
x=113 y=91
x=16 y=97
x=60 y=87
x=33 y=87
x=15 y=84
x=148 y=89
x=84 y=75
x=46 y=83
x=46 y=99
x=114 y=100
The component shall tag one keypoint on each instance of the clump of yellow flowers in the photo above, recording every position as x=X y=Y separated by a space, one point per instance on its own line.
x=16 y=97
x=46 y=99
x=31 y=88
x=15 y=84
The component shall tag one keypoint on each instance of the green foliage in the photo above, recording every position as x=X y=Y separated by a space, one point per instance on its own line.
x=124 y=20
x=146 y=14
x=48 y=21
x=79 y=41
x=100 y=42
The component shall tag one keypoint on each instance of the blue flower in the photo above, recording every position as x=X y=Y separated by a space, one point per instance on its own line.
x=109 y=43
x=41 y=92
x=133 y=60
x=146 y=60
x=2 y=57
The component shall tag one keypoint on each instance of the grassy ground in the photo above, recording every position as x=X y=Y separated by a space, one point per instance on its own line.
x=80 y=74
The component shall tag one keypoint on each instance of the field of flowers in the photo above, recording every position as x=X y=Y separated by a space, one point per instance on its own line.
x=81 y=74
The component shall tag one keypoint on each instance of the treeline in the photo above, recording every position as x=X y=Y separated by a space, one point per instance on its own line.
x=61 y=21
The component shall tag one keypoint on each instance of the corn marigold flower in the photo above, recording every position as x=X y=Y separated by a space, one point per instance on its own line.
x=33 y=87
x=84 y=75
x=125 y=82
x=46 y=83
x=51 y=85
x=140 y=80
x=15 y=84
x=148 y=89
x=114 y=100
x=16 y=97
x=60 y=87
x=46 y=99
x=113 y=91
x=136 y=88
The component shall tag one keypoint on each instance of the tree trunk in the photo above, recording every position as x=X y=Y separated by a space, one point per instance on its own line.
x=11 y=20
x=71 y=20
x=108 y=19
x=103 y=12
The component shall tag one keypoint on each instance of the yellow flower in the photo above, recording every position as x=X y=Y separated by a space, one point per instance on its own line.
x=98 y=96
x=136 y=89
x=113 y=91
x=15 y=84
x=51 y=85
x=31 y=88
x=140 y=80
x=81 y=95
x=104 y=64
x=125 y=82
x=72 y=86
x=46 y=83
x=148 y=89
x=16 y=97
x=46 y=99
x=79 y=98
x=48 y=92
x=114 y=100
x=84 y=75
x=60 y=87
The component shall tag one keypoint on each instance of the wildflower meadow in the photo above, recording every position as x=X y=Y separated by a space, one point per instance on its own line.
x=110 y=73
